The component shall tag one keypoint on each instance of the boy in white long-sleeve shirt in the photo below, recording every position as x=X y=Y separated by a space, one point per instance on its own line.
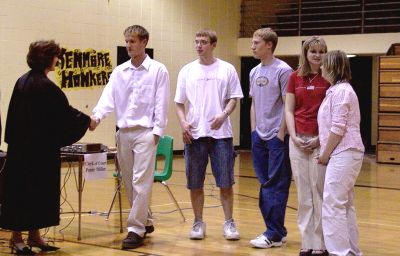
x=138 y=93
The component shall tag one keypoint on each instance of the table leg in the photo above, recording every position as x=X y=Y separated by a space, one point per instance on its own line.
x=80 y=189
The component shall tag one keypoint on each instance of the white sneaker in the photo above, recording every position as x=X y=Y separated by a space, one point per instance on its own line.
x=230 y=231
x=263 y=242
x=198 y=230
x=284 y=239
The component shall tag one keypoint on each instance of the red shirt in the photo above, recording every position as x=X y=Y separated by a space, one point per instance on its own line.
x=309 y=91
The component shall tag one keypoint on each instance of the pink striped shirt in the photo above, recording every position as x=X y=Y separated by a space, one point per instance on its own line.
x=340 y=113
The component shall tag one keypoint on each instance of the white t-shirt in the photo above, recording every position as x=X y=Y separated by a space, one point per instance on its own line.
x=206 y=89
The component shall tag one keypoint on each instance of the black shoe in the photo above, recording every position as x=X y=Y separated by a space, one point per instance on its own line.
x=20 y=251
x=43 y=247
x=132 y=241
x=149 y=229
x=305 y=252
x=320 y=253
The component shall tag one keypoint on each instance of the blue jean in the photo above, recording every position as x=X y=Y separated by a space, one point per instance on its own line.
x=222 y=158
x=272 y=166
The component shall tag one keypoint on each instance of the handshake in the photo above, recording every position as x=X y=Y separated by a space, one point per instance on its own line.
x=94 y=122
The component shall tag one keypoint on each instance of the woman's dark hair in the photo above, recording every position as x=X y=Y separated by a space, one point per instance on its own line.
x=41 y=54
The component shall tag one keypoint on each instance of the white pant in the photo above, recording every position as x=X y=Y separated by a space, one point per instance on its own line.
x=136 y=158
x=309 y=177
x=338 y=213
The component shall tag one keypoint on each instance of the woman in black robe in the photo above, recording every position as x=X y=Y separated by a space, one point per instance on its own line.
x=39 y=122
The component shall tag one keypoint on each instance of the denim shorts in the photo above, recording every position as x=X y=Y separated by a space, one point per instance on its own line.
x=221 y=154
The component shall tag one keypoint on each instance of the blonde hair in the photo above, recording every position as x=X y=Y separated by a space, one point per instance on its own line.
x=138 y=31
x=336 y=67
x=268 y=35
x=211 y=34
x=304 y=65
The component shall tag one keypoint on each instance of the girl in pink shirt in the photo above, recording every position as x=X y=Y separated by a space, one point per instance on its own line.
x=342 y=152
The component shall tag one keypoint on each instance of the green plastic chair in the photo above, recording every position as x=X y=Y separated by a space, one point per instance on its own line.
x=165 y=151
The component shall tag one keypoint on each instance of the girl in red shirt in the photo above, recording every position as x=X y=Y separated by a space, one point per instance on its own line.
x=305 y=92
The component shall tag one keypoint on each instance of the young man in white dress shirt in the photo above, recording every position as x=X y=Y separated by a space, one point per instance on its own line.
x=210 y=87
x=138 y=94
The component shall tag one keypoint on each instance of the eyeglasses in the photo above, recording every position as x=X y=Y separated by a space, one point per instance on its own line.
x=201 y=42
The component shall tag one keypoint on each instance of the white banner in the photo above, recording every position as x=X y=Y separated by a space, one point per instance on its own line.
x=95 y=166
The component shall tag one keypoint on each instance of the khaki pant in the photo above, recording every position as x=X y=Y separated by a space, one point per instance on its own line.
x=309 y=177
x=339 y=219
x=136 y=158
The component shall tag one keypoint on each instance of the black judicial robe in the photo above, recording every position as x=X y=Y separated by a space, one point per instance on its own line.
x=39 y=122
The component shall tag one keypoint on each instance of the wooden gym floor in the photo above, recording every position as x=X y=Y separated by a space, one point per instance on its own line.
x=377 y=204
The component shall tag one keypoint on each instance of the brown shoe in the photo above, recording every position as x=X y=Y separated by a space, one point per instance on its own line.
x=304 y=252
x=149 y=229
x=132 y=241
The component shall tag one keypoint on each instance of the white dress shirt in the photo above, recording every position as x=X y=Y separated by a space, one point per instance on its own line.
x=138 y=96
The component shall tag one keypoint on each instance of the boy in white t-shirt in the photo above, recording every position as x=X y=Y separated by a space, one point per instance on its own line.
x=210 y=88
